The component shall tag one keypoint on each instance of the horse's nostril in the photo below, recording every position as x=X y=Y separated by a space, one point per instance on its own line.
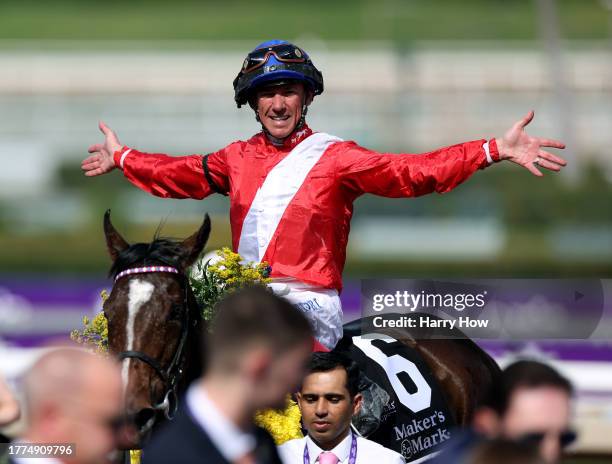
x=144 y=418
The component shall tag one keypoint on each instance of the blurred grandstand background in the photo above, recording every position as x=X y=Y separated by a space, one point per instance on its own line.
x=401 y=76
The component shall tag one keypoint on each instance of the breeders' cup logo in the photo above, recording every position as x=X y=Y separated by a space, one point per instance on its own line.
x=388 y=410
x=406 y=449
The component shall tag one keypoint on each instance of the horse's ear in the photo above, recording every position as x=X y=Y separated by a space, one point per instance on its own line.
x=194 y=245
x=115 y=243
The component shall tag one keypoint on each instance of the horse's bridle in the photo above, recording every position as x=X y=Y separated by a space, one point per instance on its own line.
x=171 y=375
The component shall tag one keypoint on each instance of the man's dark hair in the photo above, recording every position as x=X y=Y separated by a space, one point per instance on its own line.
x=325 y=362
x=255 y=315
x=524 y=374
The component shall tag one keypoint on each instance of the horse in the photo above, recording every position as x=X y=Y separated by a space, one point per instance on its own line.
x=154 y=326
x=154 y=323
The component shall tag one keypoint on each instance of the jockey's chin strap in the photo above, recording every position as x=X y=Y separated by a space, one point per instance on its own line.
x=171 y=375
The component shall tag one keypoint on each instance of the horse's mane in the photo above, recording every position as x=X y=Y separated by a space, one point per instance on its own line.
x=161 y=251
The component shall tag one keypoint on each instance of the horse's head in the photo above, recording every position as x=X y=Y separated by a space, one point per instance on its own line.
x=153 y=320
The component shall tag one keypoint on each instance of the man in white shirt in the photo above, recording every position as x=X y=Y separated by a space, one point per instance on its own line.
x=328 y=399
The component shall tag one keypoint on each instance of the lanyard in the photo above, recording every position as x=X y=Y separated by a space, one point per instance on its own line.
x=352 y=455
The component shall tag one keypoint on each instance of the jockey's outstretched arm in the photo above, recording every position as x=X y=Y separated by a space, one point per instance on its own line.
x=193 y=176
x=360 y=170
x=406 y=175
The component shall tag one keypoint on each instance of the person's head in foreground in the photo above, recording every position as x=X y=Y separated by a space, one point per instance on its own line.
x=279 y=81
x=257 y=349
x=531 y=404
x=329 y=398
x=74 y=397
x=501 y=451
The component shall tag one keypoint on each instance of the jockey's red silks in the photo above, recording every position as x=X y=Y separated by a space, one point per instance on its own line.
x=308 y=242
x=318 y=348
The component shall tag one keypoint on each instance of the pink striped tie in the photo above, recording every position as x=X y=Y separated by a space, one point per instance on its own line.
x=327 y=457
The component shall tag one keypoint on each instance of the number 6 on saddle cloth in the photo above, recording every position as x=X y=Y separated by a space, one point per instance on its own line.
x=403 y=406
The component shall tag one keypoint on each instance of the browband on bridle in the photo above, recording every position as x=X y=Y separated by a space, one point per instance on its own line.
x=145 y=270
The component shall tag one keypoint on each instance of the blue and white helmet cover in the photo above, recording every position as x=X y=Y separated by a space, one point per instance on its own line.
x=276 y=70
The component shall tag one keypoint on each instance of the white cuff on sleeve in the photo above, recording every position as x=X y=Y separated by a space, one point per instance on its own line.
x=485 y=146
x=122 y=159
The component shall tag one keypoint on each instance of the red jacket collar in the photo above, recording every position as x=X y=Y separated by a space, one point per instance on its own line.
x=290 y=142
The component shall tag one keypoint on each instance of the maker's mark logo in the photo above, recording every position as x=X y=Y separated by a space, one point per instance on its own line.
x=420 y=436
x=406 y=449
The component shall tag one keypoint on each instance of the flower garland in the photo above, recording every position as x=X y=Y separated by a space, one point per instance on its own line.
x=210 y=282
x=224 y=274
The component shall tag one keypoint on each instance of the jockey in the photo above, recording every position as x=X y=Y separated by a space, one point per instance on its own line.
x=292 y=189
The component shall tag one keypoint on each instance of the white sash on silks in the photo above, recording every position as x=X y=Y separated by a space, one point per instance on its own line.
x=321 y=306
x=278 y=189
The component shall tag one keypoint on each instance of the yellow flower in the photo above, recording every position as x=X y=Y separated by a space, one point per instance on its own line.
x=95 y=331
x=283 y=425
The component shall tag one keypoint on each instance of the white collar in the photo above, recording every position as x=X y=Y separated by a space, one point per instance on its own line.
x=231 y=442
x=342 y=449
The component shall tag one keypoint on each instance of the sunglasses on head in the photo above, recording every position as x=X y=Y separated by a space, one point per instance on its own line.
x=565 y=438
x=284 y=53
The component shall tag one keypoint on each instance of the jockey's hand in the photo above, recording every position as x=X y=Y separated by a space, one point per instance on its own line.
x=526 y=151
x=101 y=161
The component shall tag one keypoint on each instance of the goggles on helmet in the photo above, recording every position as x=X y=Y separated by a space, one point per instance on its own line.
x=285 y=53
